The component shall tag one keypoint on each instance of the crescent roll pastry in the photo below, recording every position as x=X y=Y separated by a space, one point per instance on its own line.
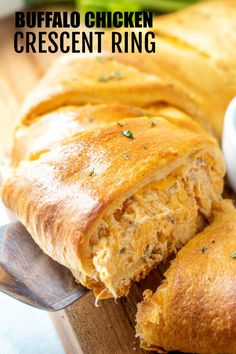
x=195 y=58
x=194 y=70
x=111 y=203
x=50 y=129
x=194 y=310
x=95 y=79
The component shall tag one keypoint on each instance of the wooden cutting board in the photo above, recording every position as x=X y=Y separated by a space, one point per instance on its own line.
x=83 y=328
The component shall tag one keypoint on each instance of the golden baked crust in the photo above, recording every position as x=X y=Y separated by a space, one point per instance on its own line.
x=196 y=59
x=194 y=310
x=61 y=196
x=47 y=131
x=95 y=79
x=194 y=70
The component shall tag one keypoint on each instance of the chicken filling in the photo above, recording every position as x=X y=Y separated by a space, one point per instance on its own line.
x=153 y=223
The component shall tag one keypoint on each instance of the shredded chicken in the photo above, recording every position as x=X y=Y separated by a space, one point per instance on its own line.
x=152 y=224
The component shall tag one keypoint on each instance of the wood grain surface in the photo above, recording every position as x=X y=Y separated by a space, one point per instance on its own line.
x=106 y=329
x=83 y=328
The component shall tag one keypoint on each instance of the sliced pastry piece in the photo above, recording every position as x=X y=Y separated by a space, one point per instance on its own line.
x=111 y=203
x=46 y=131
x=194 y=310
x=194 y=70
x=82 y=79
x=196 y=59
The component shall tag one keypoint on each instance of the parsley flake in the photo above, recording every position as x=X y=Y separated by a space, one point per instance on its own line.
x=103 y=79
x=233 y=255
x=153 y=123
x=123 y=250
x=118 y=75
x=204 y=250
x=128 y=134
x=113 y=76
x=126 y=155
x=120 y=124
x=100 y=58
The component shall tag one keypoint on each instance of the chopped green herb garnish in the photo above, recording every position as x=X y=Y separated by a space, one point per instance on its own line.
x=123 y=250
x=103 y=79
x=101 y=59
x=118 y=75
x=91 y=172
x=120 y=124
x=233 y=255
x=145 y=147
x=153 y=123
x=204 y=250
x=128 y=134
x=126 y=155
